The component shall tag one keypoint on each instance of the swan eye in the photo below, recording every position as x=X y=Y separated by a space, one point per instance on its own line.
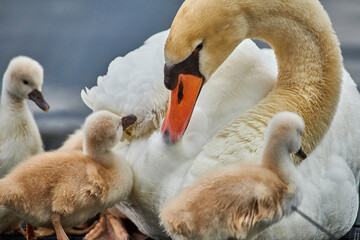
x=199 y=47
x=26 y=82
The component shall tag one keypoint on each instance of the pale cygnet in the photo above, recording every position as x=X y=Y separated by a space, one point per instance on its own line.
x=19 y=134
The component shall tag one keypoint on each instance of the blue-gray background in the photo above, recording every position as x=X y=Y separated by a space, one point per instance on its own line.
x=76 y=40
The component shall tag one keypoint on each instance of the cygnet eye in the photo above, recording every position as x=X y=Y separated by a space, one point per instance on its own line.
x=300 y=132
x=26 y=82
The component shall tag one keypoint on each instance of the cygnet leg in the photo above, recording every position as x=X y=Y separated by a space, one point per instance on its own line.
x=56 y=222
x=30 y=234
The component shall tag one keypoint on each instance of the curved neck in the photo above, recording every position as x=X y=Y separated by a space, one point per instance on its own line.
x=302 y=37
x=276 y=157
x=99 y=154
x=309 y=63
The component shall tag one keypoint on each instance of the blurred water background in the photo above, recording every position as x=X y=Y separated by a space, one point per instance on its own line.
x=76 y=40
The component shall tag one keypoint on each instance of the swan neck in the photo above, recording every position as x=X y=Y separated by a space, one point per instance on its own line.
x=302 y=37
x=309 y=61
x=276 y=158
x=11 y=102
x=100 y=155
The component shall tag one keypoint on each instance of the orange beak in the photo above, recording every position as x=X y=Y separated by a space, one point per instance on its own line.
x=182 y=103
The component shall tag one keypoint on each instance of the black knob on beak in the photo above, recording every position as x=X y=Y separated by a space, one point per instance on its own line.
x=301 y=154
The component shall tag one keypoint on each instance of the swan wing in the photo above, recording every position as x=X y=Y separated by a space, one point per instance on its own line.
x=134 y=84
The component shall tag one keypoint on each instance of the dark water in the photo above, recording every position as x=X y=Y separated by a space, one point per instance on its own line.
x=76 y=40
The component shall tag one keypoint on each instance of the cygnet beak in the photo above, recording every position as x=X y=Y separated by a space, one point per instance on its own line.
x=38 y=98
x=127 y=121
x=301 y=154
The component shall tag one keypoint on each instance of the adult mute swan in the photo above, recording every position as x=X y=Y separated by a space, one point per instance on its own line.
x=329 y=173
x=309 y=61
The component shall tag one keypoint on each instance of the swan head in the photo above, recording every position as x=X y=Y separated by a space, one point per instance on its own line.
x=104 y=129
x=23 y=79
x=285 y=130
x=202 y=36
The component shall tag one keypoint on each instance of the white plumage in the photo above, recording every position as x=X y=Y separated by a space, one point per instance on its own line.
x=133 y=85
x=328 y=176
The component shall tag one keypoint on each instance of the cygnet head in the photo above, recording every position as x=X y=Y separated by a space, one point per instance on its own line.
x=23 y=79
x=285 y=130
x=103 y=130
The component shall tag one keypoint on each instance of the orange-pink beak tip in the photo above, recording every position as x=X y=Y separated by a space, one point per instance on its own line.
x=182 y=103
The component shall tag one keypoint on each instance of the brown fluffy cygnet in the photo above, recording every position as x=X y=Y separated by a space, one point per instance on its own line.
x=66 y=188
x=241 y=200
